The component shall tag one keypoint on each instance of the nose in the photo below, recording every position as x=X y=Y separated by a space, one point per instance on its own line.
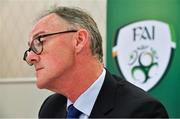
x=32 y=58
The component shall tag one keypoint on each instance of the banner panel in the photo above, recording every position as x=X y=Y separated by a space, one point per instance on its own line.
x=143 y=47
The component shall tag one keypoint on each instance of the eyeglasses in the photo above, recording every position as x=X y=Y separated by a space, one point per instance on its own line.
x=37 y=44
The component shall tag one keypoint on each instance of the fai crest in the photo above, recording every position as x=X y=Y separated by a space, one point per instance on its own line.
x=143 y=51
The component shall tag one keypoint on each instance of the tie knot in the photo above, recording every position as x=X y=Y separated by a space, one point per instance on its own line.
x=73 y=112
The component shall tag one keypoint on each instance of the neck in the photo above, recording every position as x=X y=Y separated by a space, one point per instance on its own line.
x=80 y=78
x=87 y=73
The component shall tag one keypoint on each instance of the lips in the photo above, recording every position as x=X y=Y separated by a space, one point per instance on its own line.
x=37 y=69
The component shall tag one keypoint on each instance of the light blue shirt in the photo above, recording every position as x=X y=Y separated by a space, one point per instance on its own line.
x=85 y=101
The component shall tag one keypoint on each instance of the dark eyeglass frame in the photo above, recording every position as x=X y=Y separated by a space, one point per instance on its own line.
x=39 y=39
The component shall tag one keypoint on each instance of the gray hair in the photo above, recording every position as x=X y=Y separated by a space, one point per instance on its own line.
x=81 y=19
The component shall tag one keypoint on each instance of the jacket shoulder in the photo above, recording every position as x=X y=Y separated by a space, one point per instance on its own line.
x=53 y=106
x=135 y=102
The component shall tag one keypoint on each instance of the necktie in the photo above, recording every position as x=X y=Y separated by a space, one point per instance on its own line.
x=73 y=112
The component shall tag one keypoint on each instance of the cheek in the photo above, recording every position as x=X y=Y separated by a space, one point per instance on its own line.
x=59 y=56
x=60 y=59
x=57 y=61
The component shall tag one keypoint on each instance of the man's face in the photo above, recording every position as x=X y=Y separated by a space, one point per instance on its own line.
x=57 y=57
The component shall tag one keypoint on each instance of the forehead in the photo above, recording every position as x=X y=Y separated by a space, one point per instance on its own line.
x=49 y=23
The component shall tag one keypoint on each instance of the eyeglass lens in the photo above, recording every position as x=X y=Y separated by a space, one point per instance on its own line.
x=36 y=47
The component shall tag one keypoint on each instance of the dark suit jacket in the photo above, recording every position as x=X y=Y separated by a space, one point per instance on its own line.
x=117 y=98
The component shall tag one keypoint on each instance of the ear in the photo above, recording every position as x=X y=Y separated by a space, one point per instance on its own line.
x=82 y=37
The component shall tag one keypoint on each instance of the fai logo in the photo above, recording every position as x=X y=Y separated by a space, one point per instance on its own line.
x=143 y=51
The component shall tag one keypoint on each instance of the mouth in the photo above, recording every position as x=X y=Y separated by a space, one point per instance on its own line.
x=37 y=69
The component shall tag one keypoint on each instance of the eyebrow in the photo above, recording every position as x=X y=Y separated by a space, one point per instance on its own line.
x=35 y=36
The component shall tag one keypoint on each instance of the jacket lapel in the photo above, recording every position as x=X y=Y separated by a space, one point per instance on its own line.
x=106 y=98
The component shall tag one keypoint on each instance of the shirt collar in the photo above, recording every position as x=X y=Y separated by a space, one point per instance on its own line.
x=86 y=100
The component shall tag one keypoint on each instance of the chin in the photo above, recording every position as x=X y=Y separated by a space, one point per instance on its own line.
x=41 y=84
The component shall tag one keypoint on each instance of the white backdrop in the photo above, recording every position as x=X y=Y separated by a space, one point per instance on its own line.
x=19 y=96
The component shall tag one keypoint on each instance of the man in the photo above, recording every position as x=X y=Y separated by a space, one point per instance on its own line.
x=66 y=51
